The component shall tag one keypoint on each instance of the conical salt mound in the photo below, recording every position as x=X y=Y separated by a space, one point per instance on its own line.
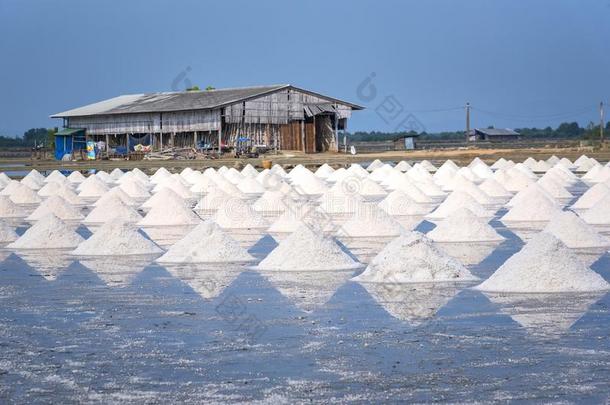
x=324 y=171
x=457 y=200
x=76 y=177
x=117 y=238
x=305 y=250
x=463 y=226
x=376 y=164
x=236 y=213
x=370 y=221
x=591 y=196
x=175 y=214
x=544 y=265
x=532 y=205
x=7 y=233
x=413 y=258
x=48 y=233
x=112 y=208
x=493 y=188
x=212 y=200
x=574 y=232
x=57 y=206
x=116 y=192
x=271 y=202
x=92 y=187
x=291 y=219
x=206 y=243
x=35 y=175
x=403 y=166
x=249 y=185
x=24 y=195
x=166 y=196
x=8 y=209
x=65 y=192
x=55 y=176
x=32 y=183
x=598 y=214
x=134 y=189
x=398 y=203
x=116 y=173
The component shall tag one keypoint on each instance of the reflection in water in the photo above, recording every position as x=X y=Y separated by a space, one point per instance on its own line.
x=167 y=235
x=49 y=263
x=307 y=290
x=470 y=253
x=413 y=302
x=117 y=271
x=365 y=248
x=209 y=281
x=545 y=314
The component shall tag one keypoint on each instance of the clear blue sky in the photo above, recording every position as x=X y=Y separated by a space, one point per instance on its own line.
x=530 y=62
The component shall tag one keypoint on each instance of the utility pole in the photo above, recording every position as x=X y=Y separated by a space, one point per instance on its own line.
x=601 y=122
x=467 y=122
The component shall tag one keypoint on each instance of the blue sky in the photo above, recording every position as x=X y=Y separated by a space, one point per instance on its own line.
x=519 y=62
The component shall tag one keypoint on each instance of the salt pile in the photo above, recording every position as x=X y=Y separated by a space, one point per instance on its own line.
x=48 y=233
x=598 y=214
x=513 y=180
x=565 y=162
x=428 y=165
x=356 y=185
x=357 y=170
x=105 y=177
x=8 y=209
x=339 y=202
x=212 y=200
x=413 y=258
x=306 y=183
x=116 y=192
x=457 y=200
x=308 y=251
x=92 y=188
x=112 y=208
x=31 y=182
x=493 y=188
x=11 y=186
x=134 y=189
x=324 y=171
x=397 y=203
x=57 y=206
x=206 y=243
x=591 y=196
x=249 y=171
x=574 y=232
x=64 y=192
x=544 y=265
x=76 y=177
x=408 y=187
x=238 y=214
x=24 y=195
x=465 y=185
x=380 y=173
x=170 y=215
x=35 y=175
x=271 y=202
x=403 y=166
x=249 y=185
x=117 y=238
x=532 y=205
x=7 y=233
x=290 y=220
x=159 y=175
x=163 y=198
x=55 y=176
x=463 y=226
x=554 y=188
x=374 y=165
x=370 y=221
x=117 y=173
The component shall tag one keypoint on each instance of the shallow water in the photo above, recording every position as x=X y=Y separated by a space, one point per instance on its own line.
x=105 y=330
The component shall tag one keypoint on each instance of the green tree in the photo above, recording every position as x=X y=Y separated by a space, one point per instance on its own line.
x=210 y=88
x=193 y=88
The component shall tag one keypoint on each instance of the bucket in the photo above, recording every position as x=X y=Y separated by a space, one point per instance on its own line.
x=267 y=164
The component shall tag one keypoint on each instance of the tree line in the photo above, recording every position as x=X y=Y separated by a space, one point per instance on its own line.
x=565 y=130
x=32 y=137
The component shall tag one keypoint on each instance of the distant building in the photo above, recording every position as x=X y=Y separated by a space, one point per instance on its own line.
x=280 y=117
x=405 y=142
x=495 y=134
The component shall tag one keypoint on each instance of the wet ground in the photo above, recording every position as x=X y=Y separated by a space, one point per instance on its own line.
x=115 y=330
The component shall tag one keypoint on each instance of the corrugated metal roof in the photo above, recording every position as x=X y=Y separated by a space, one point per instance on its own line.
x=179 y=101
x=69 y=131
x=496 y=131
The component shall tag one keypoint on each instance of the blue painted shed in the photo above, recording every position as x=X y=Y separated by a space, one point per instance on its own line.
x=69 y=140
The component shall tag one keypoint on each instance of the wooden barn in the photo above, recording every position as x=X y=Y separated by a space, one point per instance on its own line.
x=279 y=117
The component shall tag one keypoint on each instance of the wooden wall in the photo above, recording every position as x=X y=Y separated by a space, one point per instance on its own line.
x=291 y=139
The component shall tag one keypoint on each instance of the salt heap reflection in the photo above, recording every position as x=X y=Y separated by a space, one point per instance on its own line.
x=117 y=271
x=208 y=282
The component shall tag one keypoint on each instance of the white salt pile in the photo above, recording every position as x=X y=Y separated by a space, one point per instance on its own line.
x=339 y=202
x=110 y=209
x=31 y=182
x=380 y=173
x=581 y=160
x=55 y=176
x=457 y=200
x=357 y=170
x=8 y=209
x=324 y=171
x=212 y=200
x=11 y=186
x=7 y=233
x=57 y=206
x=117 y=238
x=105 y=177
x=159 y=175
x=463 y=226
x=428 y=165
x=35 y=175
x=117 y=173
x=66 y=193
x=206 y=243
x=249 y=171
x=403 y=166
x=493 y=188
x=374 y=165
x=116 y=192
x=565 y=162
x=76 y=177
x=460 y=183
x=24 y=195
x=170 y=215
x=92 y=188
x=398 y=203
x=134 y=189
x=513 y=180
x=532 y=205
x=574 y=232
x=306 y=183
x=306 y=250
x=166 y=196
x=544 y=265
x=554 y=188
x=271 y=202
x=48 y=233
x=238 y=214
x=413 y=258
x=598 y=214
x=408 y=187
x=591 y=196
x=291 y=219
x=250 y=185
x=370 y=221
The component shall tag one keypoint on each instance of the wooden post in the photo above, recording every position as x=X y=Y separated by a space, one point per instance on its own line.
x=336 y=130
x=195 y=139
x=107 y=143
x=303 y=135
x=171 y=139
x=220 y=139
x=467 y=121
x=161 y=141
